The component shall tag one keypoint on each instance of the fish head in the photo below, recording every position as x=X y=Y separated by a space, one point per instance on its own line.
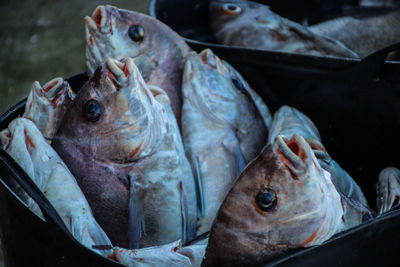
x=114 y=118
x=47 y=105
x=282 y=200
x=223 y=12
x=117 y=33
x=218 y=90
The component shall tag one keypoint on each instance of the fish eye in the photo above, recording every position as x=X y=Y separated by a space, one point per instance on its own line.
x=92 y=110
x=239 y=85
x=266 y=199
x=136 y=33
x=366 y=217
x=231 y=9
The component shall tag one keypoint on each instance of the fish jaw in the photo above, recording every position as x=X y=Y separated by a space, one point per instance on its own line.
x=308 y=209
x=47 y=105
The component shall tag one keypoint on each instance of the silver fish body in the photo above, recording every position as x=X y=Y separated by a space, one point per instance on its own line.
x=123 y=149
x=252 y=25
x=282 y=200
x=155 y=48
x=47 y=105
x=363 y=35
x=289 y=121
x=38 y=159
x=222 y=128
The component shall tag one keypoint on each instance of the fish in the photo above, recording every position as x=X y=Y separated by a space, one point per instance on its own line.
x=289 y=121
x=222 y=128
x=252 y=25
x=122 y=146
x=281 y=201
x=156 y=49
x=38 y=159
x=388 y=189
x=47 y=105
x=363 y=35
x=172 y=254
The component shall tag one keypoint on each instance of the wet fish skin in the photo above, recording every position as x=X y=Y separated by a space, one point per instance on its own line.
x=159 y=55
x=172 y=254
x=38 y=159
x=363 y=35
x=221 y=117
x=126 y=159
x=388 y=189
x=252 y=25
x=307 y=209
x=47 y=105
x=289 y=121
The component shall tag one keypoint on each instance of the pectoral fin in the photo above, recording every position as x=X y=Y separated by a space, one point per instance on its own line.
x=185 y=216
x=198 y=184
x=136 y=216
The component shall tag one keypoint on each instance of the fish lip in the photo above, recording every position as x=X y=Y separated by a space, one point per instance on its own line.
x=90 y=23
x=293 y=154
x=100 y=20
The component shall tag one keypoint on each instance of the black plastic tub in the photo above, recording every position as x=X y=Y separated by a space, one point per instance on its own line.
x=359 y=121
x=354 y=104
x=190 y=21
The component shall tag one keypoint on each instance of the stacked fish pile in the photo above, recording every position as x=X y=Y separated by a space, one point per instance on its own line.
x=163 y=145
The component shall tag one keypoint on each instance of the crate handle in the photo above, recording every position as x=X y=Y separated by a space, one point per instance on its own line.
x=371 y=65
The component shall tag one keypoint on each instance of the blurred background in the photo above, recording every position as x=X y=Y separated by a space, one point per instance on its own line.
x=43 y=39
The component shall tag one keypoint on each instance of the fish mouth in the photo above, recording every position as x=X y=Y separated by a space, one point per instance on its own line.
x=54 y=91
x=100 y=20
x=293 y=154
x=118 y=72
